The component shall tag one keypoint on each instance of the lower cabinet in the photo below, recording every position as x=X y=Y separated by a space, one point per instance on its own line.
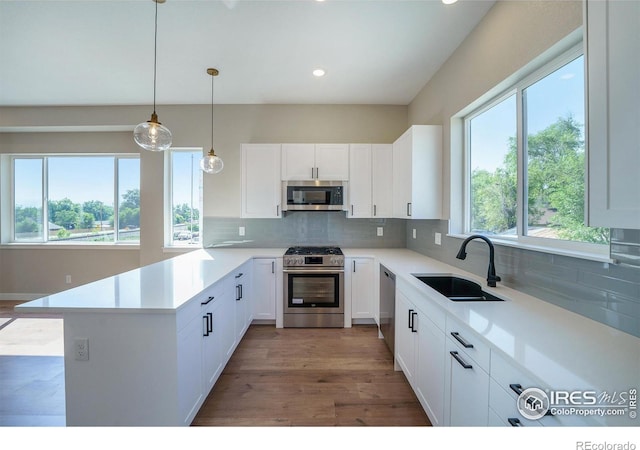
x=264 y=288
x=189 y=365
x=419 y=352
x=239 y=283
x=467 y=377
x=360 y=288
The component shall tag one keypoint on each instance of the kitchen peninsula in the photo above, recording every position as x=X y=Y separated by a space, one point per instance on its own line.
x=145 y=347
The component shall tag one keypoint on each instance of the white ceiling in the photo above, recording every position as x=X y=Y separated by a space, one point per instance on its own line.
x=101 y=52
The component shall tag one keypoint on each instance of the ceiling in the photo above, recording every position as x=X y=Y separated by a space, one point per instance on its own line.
x=92 y=52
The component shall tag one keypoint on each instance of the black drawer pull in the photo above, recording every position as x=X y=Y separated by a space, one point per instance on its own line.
x=517 y=388
x=514 y=422
x=208 y=301
x=413 y=322
x=410 y=319
x=239 y=275
x=460 y=360
x=457 y=337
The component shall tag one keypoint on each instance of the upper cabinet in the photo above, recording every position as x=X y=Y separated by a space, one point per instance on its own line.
x=417 y=173
x=370 y=181
x=612 y=37
x=261 y=186
x=327 y=162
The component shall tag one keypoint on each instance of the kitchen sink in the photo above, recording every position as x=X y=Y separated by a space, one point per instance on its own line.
x=457 y=289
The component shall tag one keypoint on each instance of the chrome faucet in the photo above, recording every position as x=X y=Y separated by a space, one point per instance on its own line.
x=462 y=254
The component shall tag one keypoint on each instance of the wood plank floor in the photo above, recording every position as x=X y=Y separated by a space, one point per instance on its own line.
x=311 y=377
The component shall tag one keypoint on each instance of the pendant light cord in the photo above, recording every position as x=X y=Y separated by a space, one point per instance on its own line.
x=212 y=77
x=155 y=57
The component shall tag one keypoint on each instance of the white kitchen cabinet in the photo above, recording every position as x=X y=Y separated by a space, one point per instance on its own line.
x=190 y=365
x=612 y=37
x=213 y=316
x=264 y=288
x=466 y=377
x=239 y=282
x=419 y=351
x=327 y=162
x=370 y=181
x=359 y=287
x=382 y=180
x=261 y=185
x=417 y=173
x=360 y=181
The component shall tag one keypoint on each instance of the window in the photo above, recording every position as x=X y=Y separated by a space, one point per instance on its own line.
x=185 y=197
x=76 y=199
x=532 y=189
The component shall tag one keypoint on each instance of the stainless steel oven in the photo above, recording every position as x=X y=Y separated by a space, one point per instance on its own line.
x=313 y=287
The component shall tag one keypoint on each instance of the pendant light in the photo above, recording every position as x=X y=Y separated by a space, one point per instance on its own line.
x=152 y=135
x=212 y=163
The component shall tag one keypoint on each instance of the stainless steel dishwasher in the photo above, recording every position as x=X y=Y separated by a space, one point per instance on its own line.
x=387 y=306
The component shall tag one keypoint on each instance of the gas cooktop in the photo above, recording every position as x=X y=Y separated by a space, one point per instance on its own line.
x=314 y=251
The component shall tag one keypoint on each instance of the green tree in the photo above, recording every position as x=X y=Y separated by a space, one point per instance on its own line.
x=64 y=213
x=555 y=184
x=99 y=210
x=131 y=199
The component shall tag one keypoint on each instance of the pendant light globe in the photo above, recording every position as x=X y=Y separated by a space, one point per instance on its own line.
x=152 y=135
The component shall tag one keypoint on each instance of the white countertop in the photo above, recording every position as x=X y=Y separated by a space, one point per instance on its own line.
x=161 y=287
x=564 y=350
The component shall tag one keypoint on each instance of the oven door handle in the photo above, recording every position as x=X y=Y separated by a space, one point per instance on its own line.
x=311 y=271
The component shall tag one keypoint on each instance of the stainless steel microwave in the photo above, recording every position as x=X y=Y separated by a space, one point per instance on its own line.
x=313 y=196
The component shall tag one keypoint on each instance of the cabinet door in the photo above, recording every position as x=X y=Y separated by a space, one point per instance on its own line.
x=243 y=306
x=261 y=186
x=332 y=162
x=382 y=180
x=227 y=323
x=362 y=283
x=212 y=361
x=405 y=331
x=469 y=389
x=613 y=125
x=264 y=289
x=190 y=392
x=359 y=181
x=430 y=354
x=401 y=167
x=298 y=162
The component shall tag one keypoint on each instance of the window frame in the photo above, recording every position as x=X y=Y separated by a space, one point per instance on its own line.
x=558 y=246
x=169 y=243
x=10 y=238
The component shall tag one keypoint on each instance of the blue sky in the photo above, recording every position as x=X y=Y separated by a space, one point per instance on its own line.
x=558 y=95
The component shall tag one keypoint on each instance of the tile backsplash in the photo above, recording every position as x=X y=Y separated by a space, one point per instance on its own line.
x=304 y=228
x=607 y=293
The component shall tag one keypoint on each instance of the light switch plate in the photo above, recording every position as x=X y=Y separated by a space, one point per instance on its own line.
x=241 y=231
x=414 y=233
x=438 y=239
x=380 y=231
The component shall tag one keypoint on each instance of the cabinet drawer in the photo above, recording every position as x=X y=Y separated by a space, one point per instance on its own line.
x=506 y=408
x=506 y=374
x=469 y=342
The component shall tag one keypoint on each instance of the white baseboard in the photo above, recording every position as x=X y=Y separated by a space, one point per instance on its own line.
x=20 y=297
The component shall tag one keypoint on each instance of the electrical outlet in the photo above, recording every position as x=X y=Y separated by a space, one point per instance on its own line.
x=241 y=231
x=380 y=231
x=81 y=349
x=67 y=279
x=438 y=239
x=414 y=233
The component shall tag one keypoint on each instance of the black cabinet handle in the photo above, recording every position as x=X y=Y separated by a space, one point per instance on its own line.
x=237 y=292
x=374 y=210
x=210 y=315
x=352 y=210
x=273 y=267
x=354 y=267
x=410 y=319
x=208 y=301
x=517 y=388
x=208 y=323
x=514 y=422
x=241 y=293
x=460 y=360
x=239 y=275
x=413 y=322
x=409 y=209
x=457 y=337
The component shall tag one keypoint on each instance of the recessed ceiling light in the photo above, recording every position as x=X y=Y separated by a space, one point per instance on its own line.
x=319 y=72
